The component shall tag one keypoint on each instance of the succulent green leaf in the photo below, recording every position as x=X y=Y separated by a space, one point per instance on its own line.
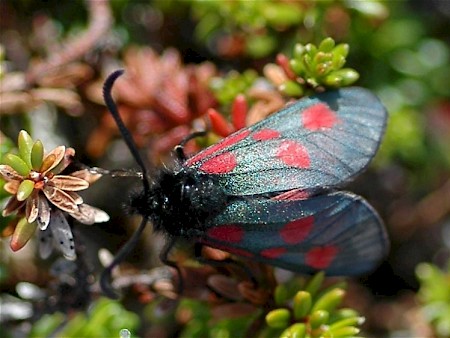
x=347 y=331
x=315 y=283
x=47 y=324
x=260 y=45
x=329 y=300
x=25 y=189
x=341 y=49
x=322 y=57
x=338 y=61
x=318 y=318
x=327 y=45
x=324 y=68
x=357 y=320
x=37 y=155
x=302 y=304
x=25 y=143
x=308 y=63
x=311 y=49
x=22 y=234
x=207 y=26
x=281 y=294
x=16 y=163
x=342 y=77
x=296 y=66
x=345 y=313
x=299 y=50
x=249 y=76
x=278 y=318
x=291 y=88
x=297 y=330
x=280 y=14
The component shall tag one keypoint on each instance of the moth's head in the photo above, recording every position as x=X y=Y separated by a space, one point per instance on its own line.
x=144 y=201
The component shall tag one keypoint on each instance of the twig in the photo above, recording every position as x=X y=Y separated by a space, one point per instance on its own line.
x=100 y=21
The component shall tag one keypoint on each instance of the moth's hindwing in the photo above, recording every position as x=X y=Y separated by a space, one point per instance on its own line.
x=337 y=232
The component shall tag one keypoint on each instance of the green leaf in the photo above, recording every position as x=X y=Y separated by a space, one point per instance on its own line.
x=297 y=330
x=327 y=45
x=296 y=66
x=348 y=331
x=278 y=318
x=22 y=234
x=279 y=14
x=281 y=294
x=46 y=325
x=329 y=300
x=259 y=46
x=37 y=155
x=319 y=318
x=25 y=143
x=357 y=320
x=342 y=77
x=302 y=304
x=25 y=189
x=315 y=283
x=338 y=61
x=342 y=49
x=291 y=88
x=16 y=163
x=299 y=50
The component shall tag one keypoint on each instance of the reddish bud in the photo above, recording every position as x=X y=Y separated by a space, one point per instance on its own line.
x=218 y=123
x=239 y=112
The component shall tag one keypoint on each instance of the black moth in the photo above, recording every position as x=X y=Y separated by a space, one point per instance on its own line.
x=267 y=192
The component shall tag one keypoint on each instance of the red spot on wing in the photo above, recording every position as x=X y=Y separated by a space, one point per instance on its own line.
x=296 y=231
x=321 y=257
x=293 y=154
x=273 y=252
x=265 y=134
x=220 y=164
x=319 y=116
x=226 y=142
x=227 y=233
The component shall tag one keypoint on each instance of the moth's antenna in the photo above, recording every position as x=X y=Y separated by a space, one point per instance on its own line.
x=105 y=278
x=112 y=107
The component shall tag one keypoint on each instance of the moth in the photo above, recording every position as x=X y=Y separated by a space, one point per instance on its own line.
x=268 y=192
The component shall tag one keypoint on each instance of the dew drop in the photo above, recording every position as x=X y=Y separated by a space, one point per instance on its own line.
x=125 y=333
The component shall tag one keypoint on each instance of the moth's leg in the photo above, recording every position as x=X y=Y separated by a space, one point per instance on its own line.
x=163 y=256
